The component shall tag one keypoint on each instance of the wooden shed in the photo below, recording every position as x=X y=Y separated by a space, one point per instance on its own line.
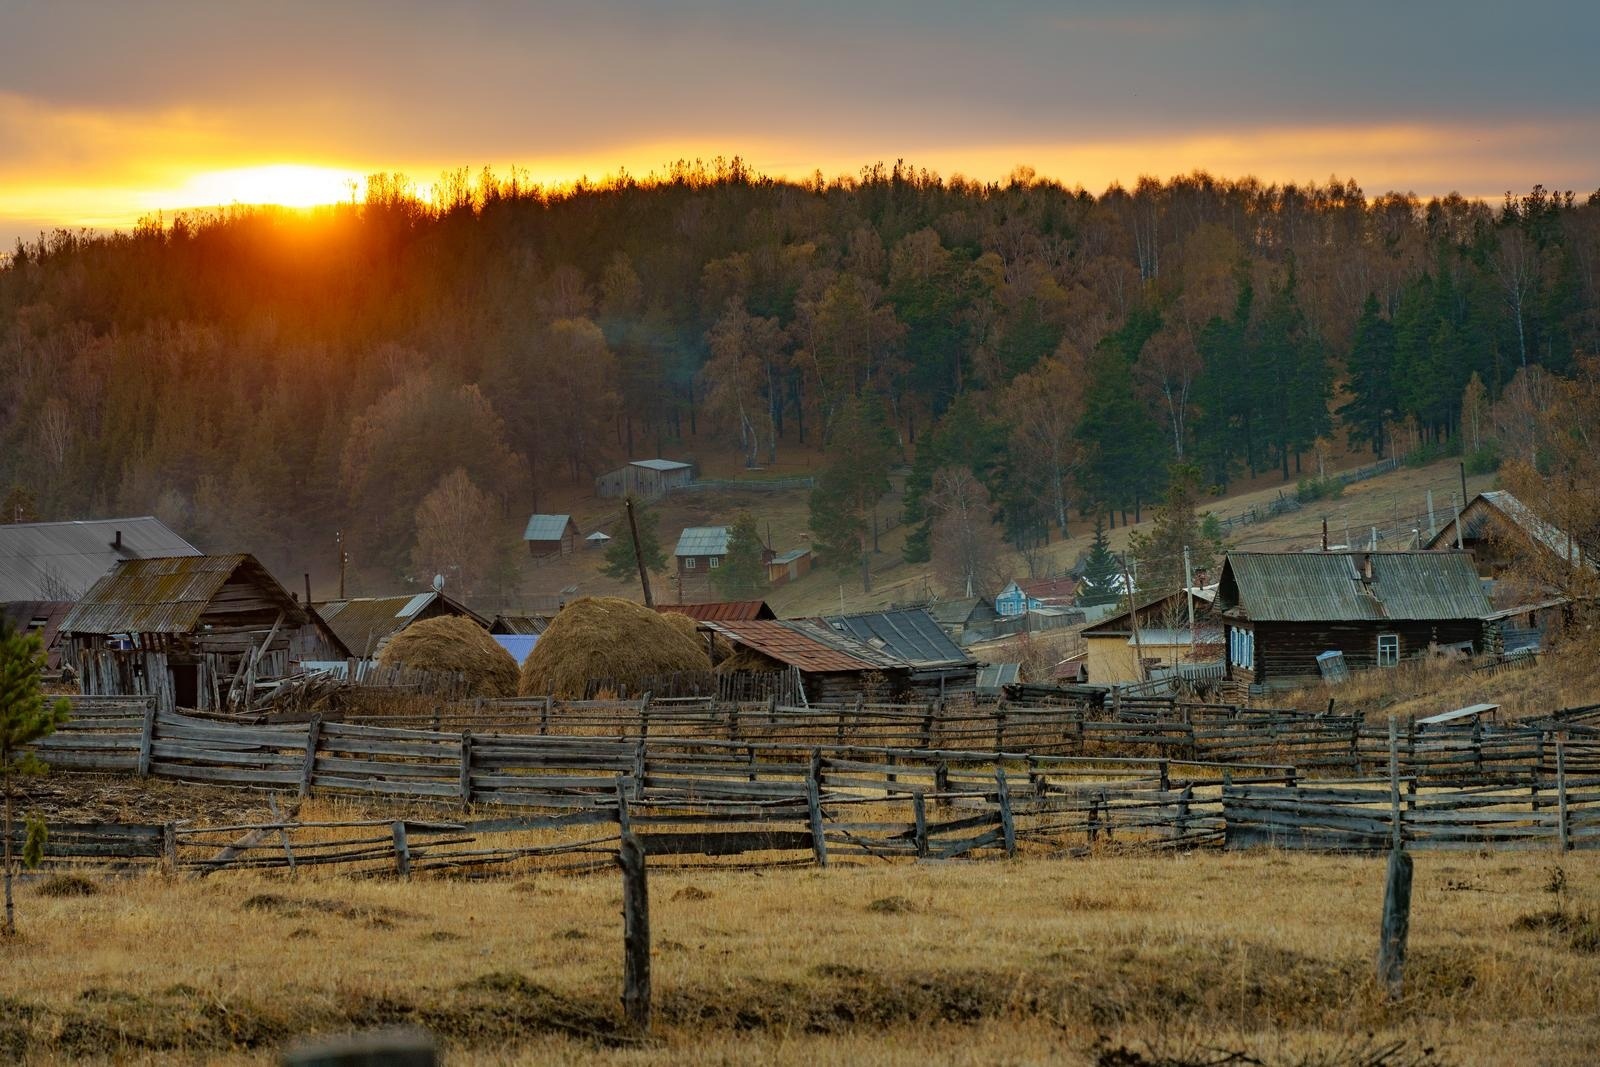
x=551 y=535
x=832 y=667
x=646 y=479
x=366 y=624
x=1279 y=611
x=194 y=631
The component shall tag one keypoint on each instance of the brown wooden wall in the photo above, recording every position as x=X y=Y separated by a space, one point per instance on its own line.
x=1290 y=649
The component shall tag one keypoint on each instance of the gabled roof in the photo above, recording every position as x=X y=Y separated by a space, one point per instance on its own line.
x=548 y=527
x=702 y=541
x=1121 y=623
x=1333 y=586
x=723 y=611
x=169 y=595
x=797 y=645
x=911 y=635
x=1477 y=516
x=60 y=560
x=365 y=624
x=958 y=612
x=789 y=557
x=1060 y=588
x=659 y=464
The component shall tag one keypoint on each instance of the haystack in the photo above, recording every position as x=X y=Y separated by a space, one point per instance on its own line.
x=451 y=643
x=609 y=639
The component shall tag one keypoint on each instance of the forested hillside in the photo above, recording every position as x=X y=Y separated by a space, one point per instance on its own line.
x=261 y=378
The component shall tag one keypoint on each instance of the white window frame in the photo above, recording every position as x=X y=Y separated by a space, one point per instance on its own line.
x=716 y=561
x=1388 y=656
x=688 y=563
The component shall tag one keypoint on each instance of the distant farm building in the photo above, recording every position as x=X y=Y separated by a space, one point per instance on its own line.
x=43 y=619
x=204 y=632
x=967 y=619
x=789 y=566
x=366 y=624
x=936 y=665
x=1116 y=655
x=1021 y=597
x=827 y=667
x=527 y=625
x=1280 y=611
x=551 y=535
x=598 y=539
x=59 y=561
x=1500 y=530
x=700 y=550
x=646 y=479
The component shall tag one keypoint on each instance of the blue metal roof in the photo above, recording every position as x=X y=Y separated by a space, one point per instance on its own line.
x=702 y=541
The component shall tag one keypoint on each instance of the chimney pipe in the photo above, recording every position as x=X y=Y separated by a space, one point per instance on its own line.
x=308 y=587
x=116 y=541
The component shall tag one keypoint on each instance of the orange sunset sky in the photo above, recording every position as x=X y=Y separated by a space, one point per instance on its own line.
x=109 y=112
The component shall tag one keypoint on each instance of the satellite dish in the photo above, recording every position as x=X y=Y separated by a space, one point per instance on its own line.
x=438 y=583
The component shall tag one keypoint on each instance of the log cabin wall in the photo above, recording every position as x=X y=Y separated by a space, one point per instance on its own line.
x=1285 y=650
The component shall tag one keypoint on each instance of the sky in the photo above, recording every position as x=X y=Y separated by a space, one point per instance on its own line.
x=111 y=111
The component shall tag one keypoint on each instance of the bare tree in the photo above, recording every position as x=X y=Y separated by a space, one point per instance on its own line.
x=456 y=526
x=967 y=549
x=1516 y=264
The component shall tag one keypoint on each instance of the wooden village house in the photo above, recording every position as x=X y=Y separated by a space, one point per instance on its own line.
x=1116 y=653
x=825 y=667
x=202 y=632
x=700 y=550
x=367 y=624
x=1280 y=611
x=936 y=666
x=551 y=535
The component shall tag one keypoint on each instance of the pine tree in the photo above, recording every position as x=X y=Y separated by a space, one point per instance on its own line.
x=743 y=573
x=849 y=488
x=1374 y=401
x=620 y=562
x=1102 y=574
x=1177 y=526
x=25 y=717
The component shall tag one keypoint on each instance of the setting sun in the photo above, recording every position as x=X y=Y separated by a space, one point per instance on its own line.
x=285 y=184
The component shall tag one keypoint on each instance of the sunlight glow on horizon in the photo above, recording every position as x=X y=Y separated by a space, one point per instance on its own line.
x=295 y=185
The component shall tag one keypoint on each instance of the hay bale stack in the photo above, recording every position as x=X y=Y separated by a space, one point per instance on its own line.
x=612 y=639
x=450 y=644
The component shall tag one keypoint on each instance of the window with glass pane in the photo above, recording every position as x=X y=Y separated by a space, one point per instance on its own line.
x=1388 y=650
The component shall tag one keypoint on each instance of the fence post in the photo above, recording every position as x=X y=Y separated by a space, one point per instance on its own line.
x=1562 y=829
x=169 y=847
x=639 y=754
x=1395 y=834
x=635 y=933
x=147 y=735
x=644 y=716
x=1396 y=922
x=544 y=716
x=919 y=811
x=941 y=781
x=819 y=842
x=927 y=726
x=308 y=770
x=466 y=768
x=624 y=818
x=402 y=851
x=1008 y=828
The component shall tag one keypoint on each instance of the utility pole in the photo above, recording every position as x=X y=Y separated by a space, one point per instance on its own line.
x=1324 y=533
x=1188 y=595
x=638 y=555
x=344 y=558
x=1433 y=529
x=1133 y=617
x=1463 y=467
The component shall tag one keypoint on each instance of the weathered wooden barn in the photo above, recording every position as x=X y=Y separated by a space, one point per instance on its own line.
x=194 y=631
x=1279 y=611
x=722 y=610
x=551 y=535
x=936 y=665
x=366 y=624
x=967 y=619
x=1500 y=531
x=645 y=479
x=789 y=566
x=43 y=619
x=831 y=667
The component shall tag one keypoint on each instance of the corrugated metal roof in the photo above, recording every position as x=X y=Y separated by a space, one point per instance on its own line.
x=61 y=560
x=659 y=464
x=365 y=624
x=43 y=617
x=547 y=527
x=789 y=557
x=911 y=635
x=519 y=624
x=724 y=611
x=1329 y=587
x=1474 y=519
x=991 y=676
x=702 y=541
x=168 y=596
x=954 y=612
x=789 y=643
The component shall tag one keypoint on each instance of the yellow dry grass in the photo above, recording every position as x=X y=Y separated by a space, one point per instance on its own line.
x=1023 y=962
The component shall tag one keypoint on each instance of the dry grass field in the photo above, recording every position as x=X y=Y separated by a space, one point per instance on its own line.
x=1111 y=960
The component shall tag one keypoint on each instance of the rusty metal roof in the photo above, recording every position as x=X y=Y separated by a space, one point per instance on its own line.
x=365 y=624
x=1337 y=586
x=723 y=611
x=790 y=641
x=43 y=561
x=169 y=595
